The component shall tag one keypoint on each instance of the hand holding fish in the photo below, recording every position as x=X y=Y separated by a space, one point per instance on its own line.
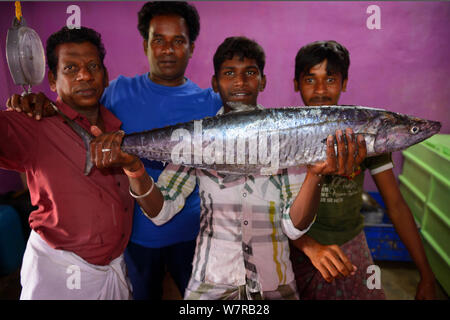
x=349 y=155
x=106 y=151
x=35 y=105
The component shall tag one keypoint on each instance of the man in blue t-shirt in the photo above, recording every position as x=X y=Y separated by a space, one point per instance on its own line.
x=162 y=97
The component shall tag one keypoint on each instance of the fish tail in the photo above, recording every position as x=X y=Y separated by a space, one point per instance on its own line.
x=84 y=135
x=88 y=164
x=87 y=138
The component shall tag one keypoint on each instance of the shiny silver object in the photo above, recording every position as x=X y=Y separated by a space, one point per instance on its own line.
x=25 y=55
x=299 y=134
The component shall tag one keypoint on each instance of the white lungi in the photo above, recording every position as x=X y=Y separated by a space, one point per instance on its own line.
x=49 y=273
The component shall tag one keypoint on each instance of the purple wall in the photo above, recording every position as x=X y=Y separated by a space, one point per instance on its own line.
x=402 y=67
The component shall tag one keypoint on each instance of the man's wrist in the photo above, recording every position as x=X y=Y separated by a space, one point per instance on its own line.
x=315 y=178
x=427 y=274
x=306 y=244
x=135 y=165
x=135 y=170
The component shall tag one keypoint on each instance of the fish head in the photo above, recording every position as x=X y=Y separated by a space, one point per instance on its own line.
x=397 y=131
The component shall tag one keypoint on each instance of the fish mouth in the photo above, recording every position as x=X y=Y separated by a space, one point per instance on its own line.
x=435 y=126
x=429 y=129
x=403 y=139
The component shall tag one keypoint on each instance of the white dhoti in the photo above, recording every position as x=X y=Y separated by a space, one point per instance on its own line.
x=48 y=273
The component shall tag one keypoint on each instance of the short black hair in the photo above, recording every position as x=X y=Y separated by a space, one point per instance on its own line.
x=337 y=56
x=159 y=8
x=66 y=35
x=241 y=47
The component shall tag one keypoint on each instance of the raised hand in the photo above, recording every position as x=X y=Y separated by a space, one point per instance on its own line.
x=35 y=105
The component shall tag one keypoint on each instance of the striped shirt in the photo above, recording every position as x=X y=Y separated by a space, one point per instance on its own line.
x=244 y=227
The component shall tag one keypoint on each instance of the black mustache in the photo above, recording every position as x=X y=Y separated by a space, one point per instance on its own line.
x=320 y=99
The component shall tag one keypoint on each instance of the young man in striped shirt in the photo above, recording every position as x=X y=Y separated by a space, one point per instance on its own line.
x=242 y=249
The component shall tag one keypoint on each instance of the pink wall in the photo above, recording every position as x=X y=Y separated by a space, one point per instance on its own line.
x=402 y=67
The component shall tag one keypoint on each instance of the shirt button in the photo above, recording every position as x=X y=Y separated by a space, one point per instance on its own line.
x=244 y=194
x=246 y=222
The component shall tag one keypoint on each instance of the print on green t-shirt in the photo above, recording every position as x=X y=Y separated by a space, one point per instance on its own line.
x=339 y=218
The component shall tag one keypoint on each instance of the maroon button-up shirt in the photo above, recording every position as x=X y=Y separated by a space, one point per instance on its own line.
x=88 y=215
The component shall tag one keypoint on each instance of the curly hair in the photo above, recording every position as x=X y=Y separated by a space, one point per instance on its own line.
x=66 y=35
x=337 y=56
x=179 y=8
x=241 y=47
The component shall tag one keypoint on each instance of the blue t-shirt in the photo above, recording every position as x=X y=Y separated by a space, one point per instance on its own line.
x=143 y=105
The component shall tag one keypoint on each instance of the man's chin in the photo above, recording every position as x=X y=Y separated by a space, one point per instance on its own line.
x=88 y=104
x=319 y=104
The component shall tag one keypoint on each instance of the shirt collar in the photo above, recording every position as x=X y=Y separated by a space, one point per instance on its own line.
x=112 y=123
x=221 y=111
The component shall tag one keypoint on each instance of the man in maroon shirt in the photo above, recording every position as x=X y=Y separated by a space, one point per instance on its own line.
x=83 y=223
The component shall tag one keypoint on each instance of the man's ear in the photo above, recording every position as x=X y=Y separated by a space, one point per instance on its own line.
x=191 y=49
x=296 y=86
x=214 y=84
x=145 y=44
x=344 y=85
x=105 y=78
x=262 y=85
x=51 y=80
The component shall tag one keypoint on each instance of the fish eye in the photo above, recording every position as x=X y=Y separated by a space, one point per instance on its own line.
x=414 y=130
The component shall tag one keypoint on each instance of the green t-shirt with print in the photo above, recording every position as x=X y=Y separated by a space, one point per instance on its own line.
x=339 y=218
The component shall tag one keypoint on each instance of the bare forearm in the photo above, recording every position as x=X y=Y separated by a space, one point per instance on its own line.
x=402 y=219
x=306 y=204
x=153 y=202
x=144 y=190
x=406 y=228
x=305 y=243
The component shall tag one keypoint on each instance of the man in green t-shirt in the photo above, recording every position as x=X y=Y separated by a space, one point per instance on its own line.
x=331 y=261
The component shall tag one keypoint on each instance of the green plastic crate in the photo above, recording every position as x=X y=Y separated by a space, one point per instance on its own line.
x=438 y=228
x=439 y=196
x=425 y=185
x=433 y=154
x=416 y=176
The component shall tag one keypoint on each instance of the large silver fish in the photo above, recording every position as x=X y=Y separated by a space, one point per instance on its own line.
x=264 y=140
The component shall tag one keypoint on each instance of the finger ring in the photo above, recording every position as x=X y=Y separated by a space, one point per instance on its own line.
x=106 y=150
